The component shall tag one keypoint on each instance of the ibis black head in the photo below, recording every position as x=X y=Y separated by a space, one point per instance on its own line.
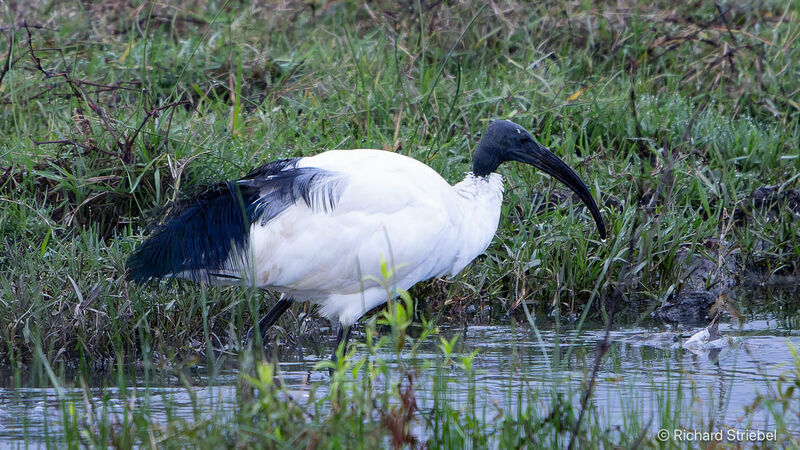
x=506 y=141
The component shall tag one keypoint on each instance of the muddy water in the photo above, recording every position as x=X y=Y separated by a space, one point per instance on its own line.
x=643 y=366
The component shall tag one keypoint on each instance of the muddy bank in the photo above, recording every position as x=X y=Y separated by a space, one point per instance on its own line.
x=706 y=272
x=710 y=273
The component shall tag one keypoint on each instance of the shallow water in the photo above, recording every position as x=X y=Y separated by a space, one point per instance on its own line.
x=641 y=366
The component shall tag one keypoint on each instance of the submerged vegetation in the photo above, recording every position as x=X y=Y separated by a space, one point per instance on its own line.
x=683 y=119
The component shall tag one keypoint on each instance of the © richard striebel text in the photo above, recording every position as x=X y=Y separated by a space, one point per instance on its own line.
x=730 y=434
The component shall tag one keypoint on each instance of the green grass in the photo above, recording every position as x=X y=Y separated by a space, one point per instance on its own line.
x=673 y=115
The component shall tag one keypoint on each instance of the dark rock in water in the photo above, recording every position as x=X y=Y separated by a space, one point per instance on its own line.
x=688 y=308
x=767 y=202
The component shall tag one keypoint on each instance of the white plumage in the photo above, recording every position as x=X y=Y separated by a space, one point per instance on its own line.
x=390 y=208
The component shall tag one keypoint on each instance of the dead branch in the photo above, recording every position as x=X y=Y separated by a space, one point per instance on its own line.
x=691 y=35
x=128 y=144
x=730 y=33
x=7 y=64
x=65 y=142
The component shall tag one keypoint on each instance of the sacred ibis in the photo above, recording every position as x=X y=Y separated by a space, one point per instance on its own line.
x=317 y=228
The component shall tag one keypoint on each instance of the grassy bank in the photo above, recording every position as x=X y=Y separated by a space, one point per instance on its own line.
x=674 y=115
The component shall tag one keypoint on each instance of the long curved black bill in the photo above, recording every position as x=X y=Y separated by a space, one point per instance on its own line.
x=543 y=159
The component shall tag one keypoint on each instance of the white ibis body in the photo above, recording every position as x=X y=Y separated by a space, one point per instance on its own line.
x=318 y=228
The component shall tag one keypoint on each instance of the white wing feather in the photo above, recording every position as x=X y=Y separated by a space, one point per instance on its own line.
x=397 y=215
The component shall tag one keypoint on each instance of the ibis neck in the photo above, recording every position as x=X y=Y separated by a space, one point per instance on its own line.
x=480 y=199
x=481 y=188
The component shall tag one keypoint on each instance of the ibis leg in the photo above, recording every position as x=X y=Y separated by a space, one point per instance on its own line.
x=341 y=341
x=271 y=317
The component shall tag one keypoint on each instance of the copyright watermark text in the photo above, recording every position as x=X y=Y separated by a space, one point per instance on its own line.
x=729 y=435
